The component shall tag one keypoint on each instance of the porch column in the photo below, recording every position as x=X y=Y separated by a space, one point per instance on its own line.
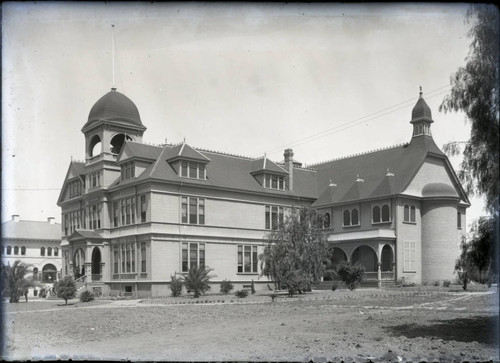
x=379 y=274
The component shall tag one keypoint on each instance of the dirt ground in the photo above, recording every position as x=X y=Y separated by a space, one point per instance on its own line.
x=405 y=324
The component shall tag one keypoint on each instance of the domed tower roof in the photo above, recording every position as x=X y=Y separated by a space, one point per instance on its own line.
x=114 y=107
x=421 y=111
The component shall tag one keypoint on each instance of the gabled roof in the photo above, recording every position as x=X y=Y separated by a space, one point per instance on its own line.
x=186 y=152
x=35 y=230
x=403 y=161
x=76 y=168
x=84 y=234
x=133 y=149
x=265 y=165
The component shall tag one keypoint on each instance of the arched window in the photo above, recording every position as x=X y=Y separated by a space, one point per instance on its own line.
x=412 y=214
x=49 y=251
x=326 y=220
x=16 y=250
x=376 y=214
x=347 y=217
x=23 y=250
x=355 y=217
x=42 y=251
x=56 y=251
x=9 y=250
x=386 y=213
x=406 y=217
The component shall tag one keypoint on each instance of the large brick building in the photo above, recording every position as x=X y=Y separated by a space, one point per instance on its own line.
x=134 y=214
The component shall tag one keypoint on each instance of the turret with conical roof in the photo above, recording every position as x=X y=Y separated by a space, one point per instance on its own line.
x=421 y=117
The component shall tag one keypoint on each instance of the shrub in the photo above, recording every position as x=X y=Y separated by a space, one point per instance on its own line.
x=400 y=282
x=446 y=283
x=197 y=280
x=435 y=283
x=226 y=286
x=86 y=296
x=176 y=286
x=351 y=274
x=241 y=293
x=66 y=288
x=335 y=285
x=296 y=281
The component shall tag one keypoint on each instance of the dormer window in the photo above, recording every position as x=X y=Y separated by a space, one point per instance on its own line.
x=274 y=181
x=193 y=170
x=128 y=170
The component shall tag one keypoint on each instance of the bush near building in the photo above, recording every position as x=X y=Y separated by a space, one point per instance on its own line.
x=351 y=274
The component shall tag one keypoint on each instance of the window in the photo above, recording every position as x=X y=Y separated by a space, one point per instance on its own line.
x=326 y=220
x=23 y=250
x=35 y=273
x=75 y=188
x=127 y=258
x=192 y=210
x=42 y=251
x=94 y=179
x=16 y=250
x=116 y=259
x=247 y=259
x=351 y=217
x=459 y=220
x=409 y=257
x=409 y=214
x=95 y=216
x=274 y=181
x=143 y=257
x=128 y=170
x=274 y=216
x=381 y=213
x=143 y=208
x=190 y=169
x=56 y=251
x=127 y=210
x=49 y=251
x=193 y=254
x=116 y=214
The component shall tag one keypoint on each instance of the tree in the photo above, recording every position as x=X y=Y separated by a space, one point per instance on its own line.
x=351 y=274
x=66 y=289
x=294 y=254
x=197 y=280
x=475 y=91
x=15 y=280
x=477 y=261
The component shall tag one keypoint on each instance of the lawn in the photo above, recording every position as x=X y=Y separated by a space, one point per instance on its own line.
x=414 y=324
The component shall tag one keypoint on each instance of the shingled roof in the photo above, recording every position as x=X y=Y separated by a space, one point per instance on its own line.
x=374 y=174
x=34 y=230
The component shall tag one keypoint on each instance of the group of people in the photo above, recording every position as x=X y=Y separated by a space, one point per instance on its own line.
x=44 y=292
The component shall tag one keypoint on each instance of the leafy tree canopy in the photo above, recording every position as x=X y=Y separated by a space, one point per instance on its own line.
x=296 y=249
x=66 y=288
x=475 y=91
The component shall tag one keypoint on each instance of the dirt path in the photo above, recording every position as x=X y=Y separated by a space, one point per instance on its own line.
x=323 y=326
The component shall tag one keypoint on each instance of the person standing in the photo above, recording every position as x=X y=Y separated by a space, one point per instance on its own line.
x=26 y=294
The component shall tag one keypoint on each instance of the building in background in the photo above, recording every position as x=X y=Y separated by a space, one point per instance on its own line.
x=34 y=243
x=135 y=214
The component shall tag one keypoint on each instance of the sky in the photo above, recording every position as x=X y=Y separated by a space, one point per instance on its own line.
x=327 y=80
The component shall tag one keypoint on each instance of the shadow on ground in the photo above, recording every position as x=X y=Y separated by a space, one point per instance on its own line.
x=483 y=329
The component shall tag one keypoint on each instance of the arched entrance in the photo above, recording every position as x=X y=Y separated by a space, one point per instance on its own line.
x=49 y=273
x=387 y=259
x=79 y=263
x=366 y=257
x=96 y=264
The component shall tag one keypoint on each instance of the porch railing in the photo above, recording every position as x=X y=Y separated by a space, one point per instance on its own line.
x=386 y=275
x=96 y=277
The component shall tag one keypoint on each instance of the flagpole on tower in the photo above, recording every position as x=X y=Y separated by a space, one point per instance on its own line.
x=113 y=53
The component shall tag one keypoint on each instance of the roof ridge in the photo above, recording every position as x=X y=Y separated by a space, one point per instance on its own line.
x=157 y=161
x=359 y=154
x=224 y=153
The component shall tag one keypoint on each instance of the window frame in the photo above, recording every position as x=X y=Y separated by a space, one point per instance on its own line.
x=199 y=248
x=459 y=220
x=241 y=265
x=409 y=256
x=412 y=214
x=191 y=204
x=381 y=207
x=192 y=170
x=350 y=211
x=274 y=216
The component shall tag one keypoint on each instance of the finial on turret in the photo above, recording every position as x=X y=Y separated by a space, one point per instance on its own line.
x=420 y=93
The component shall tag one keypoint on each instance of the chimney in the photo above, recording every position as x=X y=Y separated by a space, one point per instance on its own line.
x=15 y=217
x=289 y=165
x=51 y=220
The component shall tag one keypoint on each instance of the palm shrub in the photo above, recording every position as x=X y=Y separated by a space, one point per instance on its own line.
x=351 y=274
x=66 y=289
x=15 y=281
x=176 y=286
x=226 y=286
x=197 y=280
x=86 y=296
